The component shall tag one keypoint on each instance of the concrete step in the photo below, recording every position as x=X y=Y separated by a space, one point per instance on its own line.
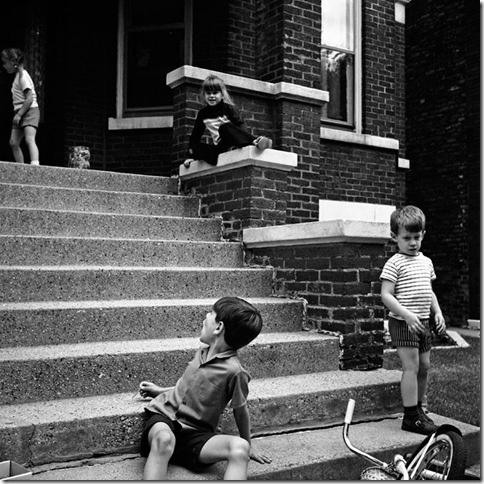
x=80 y=251
x=311 y=455
x=36 y=373
x=72 y=429
x=89 y=283
x=47 y=323
x=31 y=221
x=88 y=179
x=43 y=323
x=83 y=200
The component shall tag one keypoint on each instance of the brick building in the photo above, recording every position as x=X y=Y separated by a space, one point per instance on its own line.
x=326 y=80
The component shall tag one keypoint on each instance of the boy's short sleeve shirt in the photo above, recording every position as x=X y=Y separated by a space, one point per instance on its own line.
x=22 y=82
x=412 y=276
x=204 y=390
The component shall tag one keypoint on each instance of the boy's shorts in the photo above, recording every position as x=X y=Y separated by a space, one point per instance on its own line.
x=30 y=118
x=401 y=335
x=188 y=445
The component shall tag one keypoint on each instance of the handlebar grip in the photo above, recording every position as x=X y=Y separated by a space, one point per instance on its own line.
x=349 y=411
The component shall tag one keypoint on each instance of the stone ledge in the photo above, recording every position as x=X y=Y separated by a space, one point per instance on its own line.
x=247 y=156
x=317 y=233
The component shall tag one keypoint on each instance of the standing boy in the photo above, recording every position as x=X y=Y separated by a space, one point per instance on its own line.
x=407 y=292
x=181 y=421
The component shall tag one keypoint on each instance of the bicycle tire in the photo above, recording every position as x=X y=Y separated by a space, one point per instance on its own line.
x=445 y=459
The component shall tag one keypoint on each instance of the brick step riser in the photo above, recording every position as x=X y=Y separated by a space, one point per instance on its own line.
x=50 y=251
x=47 y=198
x=31 y=327
x=102 y=284
x=88 y=179
x=25 y=381
x=86 y=224
x=74 y=439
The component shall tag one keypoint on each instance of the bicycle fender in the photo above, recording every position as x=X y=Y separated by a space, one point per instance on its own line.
x=446 y=428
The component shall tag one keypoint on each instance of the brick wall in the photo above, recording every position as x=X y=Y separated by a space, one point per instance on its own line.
x=340 y=283
x=442 y=124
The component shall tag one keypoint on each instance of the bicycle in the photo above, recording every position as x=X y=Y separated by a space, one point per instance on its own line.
x=441 y=456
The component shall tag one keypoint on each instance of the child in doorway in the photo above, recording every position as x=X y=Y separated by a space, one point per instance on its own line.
x=181 y=421
x=26 y=109
x=224 y=123
x=407 y=292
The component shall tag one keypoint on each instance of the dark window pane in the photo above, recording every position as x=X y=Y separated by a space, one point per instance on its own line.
x=155 y=12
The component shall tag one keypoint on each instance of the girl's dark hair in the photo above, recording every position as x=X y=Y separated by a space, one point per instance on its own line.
x=14 y=55
x=409 y=217
x=242 y=321
x=214 y=83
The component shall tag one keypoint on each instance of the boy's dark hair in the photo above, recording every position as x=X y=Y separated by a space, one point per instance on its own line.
x=242 y=321
x=13 y=54
x=409 y=217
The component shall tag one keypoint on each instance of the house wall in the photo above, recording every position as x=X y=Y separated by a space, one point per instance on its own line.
x=443 y=146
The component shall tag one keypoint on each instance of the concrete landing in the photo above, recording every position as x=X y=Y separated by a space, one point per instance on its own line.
x=307 y=455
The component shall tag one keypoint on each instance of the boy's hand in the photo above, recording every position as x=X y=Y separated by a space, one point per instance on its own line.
x=414 y=324
x=148 y=389
x=439 y=323
x=259 y=457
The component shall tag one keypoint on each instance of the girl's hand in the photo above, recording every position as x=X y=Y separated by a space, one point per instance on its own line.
x=149 y=390
x=259 y=457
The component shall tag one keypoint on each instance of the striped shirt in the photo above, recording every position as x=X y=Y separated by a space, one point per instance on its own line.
x=412 y=276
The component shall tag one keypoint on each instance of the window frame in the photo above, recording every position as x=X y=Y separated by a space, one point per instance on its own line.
x=356 y=125
x=122 y=113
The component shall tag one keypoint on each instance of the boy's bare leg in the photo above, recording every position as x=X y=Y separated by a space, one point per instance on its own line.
x=233 y=449
x=162 y=444
x=423 y=372
x=410 y=369
x=30 y=133
x=15 y=139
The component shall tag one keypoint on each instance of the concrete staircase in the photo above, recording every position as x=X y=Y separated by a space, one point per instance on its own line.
x=105 y=279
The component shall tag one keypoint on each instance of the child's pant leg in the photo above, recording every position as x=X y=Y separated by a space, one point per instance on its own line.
x=205 y=152
x=231 y=135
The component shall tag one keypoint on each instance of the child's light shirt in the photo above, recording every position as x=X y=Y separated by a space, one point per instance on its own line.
x=204 y=390
x=412 y=276
x=22 y=82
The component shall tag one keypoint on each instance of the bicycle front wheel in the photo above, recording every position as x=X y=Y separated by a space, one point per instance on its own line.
x=445 y=459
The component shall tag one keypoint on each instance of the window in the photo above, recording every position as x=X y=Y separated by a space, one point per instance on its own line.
x=340 y=61
x=154 y=38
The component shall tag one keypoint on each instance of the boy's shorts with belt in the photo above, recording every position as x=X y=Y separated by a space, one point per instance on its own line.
x=402 y=337
x=189 y=442
x=30 y=118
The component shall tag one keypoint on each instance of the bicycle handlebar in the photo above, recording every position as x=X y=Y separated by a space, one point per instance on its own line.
x=349 y=411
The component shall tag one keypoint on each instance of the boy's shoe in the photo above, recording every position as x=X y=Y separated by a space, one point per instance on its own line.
x=263 y=143
x=35 y=162
x=188 y=162
x=423 y=416
x=418 y=426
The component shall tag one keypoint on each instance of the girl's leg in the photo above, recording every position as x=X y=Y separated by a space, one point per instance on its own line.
x=162 y=444
x=205 y=152
x=233 y=449
x=30 y=132
x=231 y=135
x=15 y=139
x=410 y=368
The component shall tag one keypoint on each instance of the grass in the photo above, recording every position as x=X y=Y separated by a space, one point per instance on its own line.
x=454 y=388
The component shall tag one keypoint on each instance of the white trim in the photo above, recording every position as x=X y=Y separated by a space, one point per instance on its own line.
x=358 y=87
x=362 y=139
x=400 y=6
x=247 y=156
x=277 y=90
x=120 y=61
x=403 y=163
x=142 y=122
x=317 y=233
x=356 y=211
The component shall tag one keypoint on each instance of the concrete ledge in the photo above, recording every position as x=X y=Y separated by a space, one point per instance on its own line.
x=277 y=90
x=357 y=211
x=317 y=233
x=361 y=139
x=247 y=156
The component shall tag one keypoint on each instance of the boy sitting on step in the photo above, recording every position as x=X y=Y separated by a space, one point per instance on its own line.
x=181 y=421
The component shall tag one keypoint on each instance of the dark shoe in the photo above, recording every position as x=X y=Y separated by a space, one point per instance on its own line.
x=423 y=416
x=418 y=426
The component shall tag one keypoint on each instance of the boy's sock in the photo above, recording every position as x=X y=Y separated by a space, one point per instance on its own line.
x=410 y=412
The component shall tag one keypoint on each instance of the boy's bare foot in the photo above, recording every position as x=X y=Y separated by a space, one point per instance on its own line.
x=263 y=143
x=148 y=389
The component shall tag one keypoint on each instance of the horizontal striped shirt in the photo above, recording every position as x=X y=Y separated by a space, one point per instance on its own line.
x=412 y=276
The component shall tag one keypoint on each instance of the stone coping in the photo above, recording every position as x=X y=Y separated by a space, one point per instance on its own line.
x=276 y=90
x=247 y=156
x=317 y=233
